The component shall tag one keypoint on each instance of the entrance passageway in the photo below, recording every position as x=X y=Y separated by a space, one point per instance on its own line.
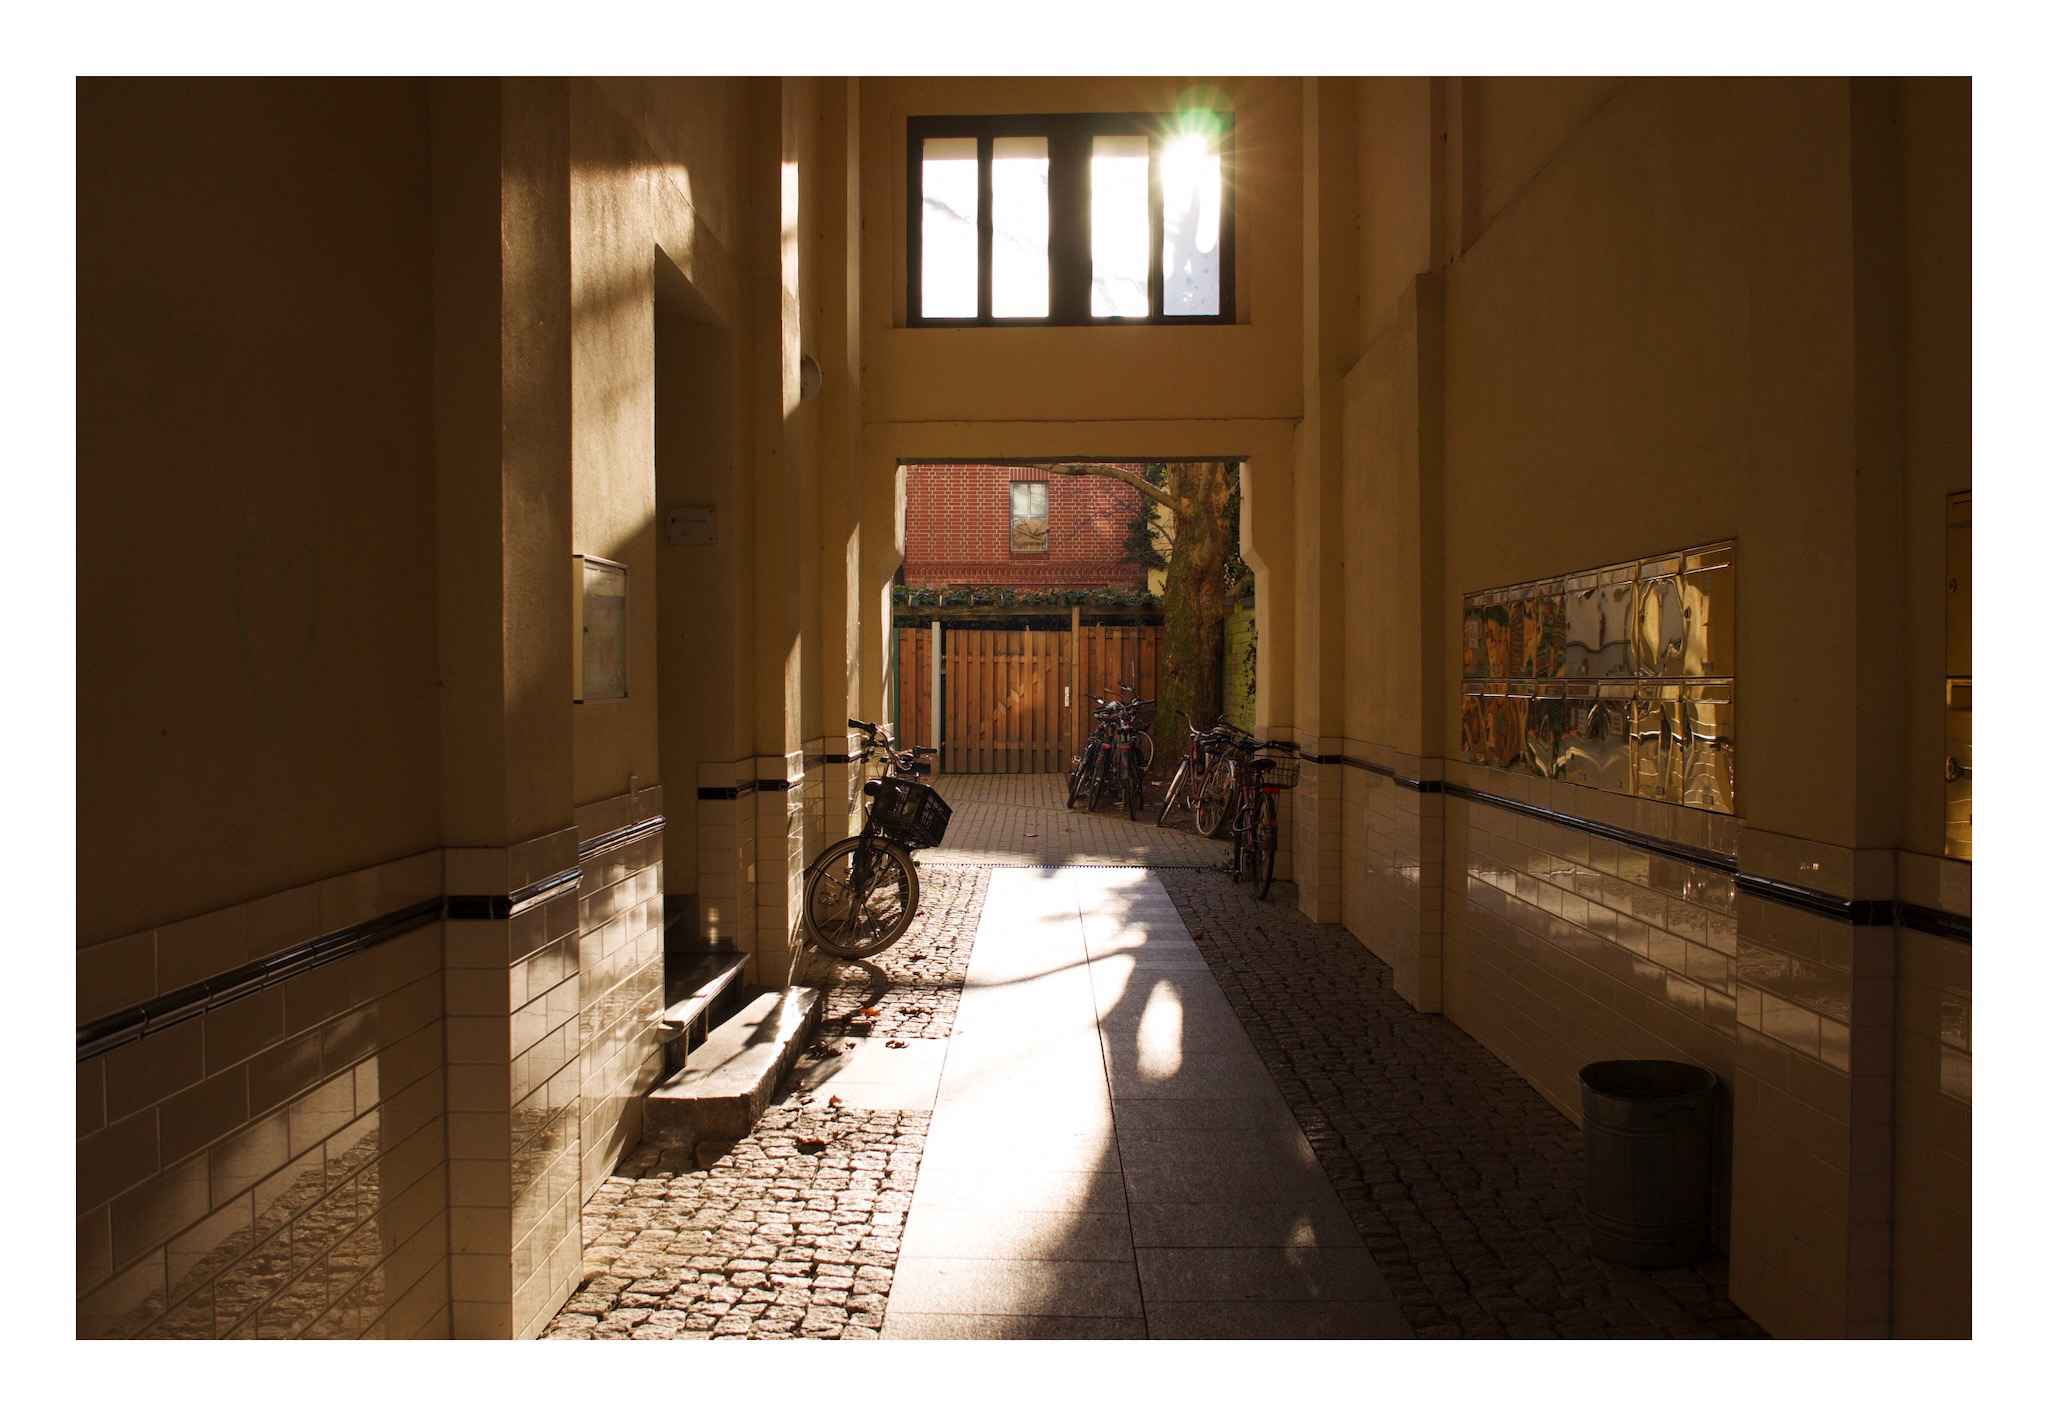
x=1108 y=1156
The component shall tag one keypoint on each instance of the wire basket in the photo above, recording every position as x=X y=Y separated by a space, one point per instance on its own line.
x=1276 y=774
x=910 y=813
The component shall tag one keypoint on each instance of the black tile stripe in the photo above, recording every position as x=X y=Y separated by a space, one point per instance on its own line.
x=104 y=1034
x=1875 y=912
x=1691 y=855
x=1413 y=784
x=132 y=1024
x=1929 y=920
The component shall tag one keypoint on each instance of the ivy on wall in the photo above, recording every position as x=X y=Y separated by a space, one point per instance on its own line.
x=1009 y=597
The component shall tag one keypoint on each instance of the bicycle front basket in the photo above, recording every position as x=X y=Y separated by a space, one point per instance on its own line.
x=911 y=813
x=1279 y=773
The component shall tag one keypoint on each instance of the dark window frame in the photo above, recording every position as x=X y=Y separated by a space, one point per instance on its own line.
x=1069 y=249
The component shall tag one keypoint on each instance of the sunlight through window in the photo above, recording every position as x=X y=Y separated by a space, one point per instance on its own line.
x=952 y=212
x=1020 y=276
x=1191 y=202
x=1119 y=173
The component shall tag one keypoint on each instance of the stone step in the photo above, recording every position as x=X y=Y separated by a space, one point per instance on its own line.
x=701 y=978
x=728 y=1081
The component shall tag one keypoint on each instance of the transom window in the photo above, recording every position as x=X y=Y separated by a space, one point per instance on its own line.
x=1076 y=218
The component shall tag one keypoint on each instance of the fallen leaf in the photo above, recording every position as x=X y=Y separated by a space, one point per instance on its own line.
x=833 y=1102
x=871 y=1012
x=898 y=1042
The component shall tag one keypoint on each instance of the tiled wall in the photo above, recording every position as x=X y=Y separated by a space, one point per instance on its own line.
x=275 y=1166
x=1564 y=946
x=1931 y=1150
x=620 y=950
x=1311 y=822
x=783 y=810
x=726 y=913
x=515 y=987
x=552 y=1043
x=1393 y=871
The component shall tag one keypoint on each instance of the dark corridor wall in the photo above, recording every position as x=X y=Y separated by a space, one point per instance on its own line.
x=256 y=656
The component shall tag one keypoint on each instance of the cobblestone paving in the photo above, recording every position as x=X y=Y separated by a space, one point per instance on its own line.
x=794 y=1231
x=1022 y=819
x=1463 y=1181
x=911 y=989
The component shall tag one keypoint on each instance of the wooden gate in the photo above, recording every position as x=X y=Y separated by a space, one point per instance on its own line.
x=1013 y=700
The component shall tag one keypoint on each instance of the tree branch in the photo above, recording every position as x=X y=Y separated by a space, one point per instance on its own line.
x=1118 y=474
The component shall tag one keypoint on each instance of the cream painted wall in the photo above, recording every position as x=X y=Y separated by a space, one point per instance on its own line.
x=256 y=647
x=1512 y=128
x=1394 y=145
x=1931 y=1241
x=1937 y=383
x=1655 y=349
x=1393 y=651
x=1246 y=370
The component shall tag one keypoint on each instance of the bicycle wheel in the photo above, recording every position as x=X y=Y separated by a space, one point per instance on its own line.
x=1175 y=789
x=1098 y=781
x=1247 y=857
x=1266 y=827
x=851 y=918
x=1214 y=800
x=1134 y=784
x=1144 y=748
x=1077 y=780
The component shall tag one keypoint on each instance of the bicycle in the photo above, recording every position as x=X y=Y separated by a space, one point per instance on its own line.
x=1216 y=795
x=1201 y=755
x=1114 y=750
x=1255 y=831
x=860 y=894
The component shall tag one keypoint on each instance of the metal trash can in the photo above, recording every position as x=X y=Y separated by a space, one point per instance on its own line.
x=1649 y=1160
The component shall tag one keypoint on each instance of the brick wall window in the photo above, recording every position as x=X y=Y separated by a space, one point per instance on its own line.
x=1029 y=522
x=969 y=523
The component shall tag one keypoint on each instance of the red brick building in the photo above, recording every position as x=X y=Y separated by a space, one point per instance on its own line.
x=975 y=524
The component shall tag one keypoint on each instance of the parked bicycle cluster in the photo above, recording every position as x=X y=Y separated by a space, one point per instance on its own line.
x=1116 y=756
x=1226 y=779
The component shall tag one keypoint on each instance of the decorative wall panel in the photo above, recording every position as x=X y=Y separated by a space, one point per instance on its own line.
x=1958 y=766
x=1621 y=679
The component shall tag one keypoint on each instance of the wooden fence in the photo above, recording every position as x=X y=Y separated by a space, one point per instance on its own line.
x=1017 y=700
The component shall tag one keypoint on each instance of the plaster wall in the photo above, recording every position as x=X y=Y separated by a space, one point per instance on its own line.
x=1394 y=154
x=1655 y=351
x=1932 y=1117
x=256 y=649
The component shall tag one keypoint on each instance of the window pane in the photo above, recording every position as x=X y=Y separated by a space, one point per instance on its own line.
x=1028 y=524
x=1017 y=196
x=1191 y=204
x=1119 y=212
x=952 y=201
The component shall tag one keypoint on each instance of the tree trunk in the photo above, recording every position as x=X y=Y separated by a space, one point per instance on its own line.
x=1190 y=690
